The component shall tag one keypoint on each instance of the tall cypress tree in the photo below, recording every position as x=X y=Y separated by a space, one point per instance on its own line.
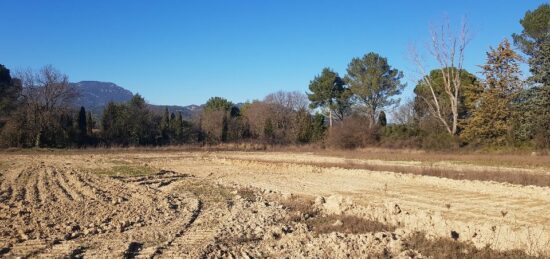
x=165 y=119
x=304 y=126
x=382 y=121
x=82 y=124
x=89 y=123
x=269 y=131
x=318 y=127
x=165 y=126
x=178 y=126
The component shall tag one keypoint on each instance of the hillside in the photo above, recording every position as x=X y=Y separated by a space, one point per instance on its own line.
x=95 y=95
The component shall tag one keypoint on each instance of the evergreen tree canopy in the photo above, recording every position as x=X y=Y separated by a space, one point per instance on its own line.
x=374 y=82
x=10 y=90
x=269 y=130
x=318 y=127
x=502 y=71
x=90 y=123
x=382 y=121
x=129 y=123
x=328 y=91
x=490 y=122
x=165 y=124
x=217 y=104
x=534 y=41
x=82 y=123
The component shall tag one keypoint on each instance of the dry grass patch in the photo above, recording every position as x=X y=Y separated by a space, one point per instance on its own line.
x=300 y=208
x=247 y=194
x=520 y=178
x=346 y=224
x=206 y=192
x=448 y=248
x=520 y=159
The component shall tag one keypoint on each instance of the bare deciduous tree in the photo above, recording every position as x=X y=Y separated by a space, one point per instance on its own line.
x=291 y=100
x=47 y=88
x=45 y=92
x=447 y=48
x=283 y=106
x=404 y=114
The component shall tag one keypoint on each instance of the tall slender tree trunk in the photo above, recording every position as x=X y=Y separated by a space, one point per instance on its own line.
x=455 y=120
x=448 y=50
x=330 y=118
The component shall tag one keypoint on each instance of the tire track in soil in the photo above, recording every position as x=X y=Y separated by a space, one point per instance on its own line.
x=201 y=232
x=50 y=210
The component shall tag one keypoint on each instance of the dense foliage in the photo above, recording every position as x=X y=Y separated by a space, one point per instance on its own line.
x=491 y=121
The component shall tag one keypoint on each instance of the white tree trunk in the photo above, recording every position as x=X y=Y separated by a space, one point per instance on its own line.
x=448 y=50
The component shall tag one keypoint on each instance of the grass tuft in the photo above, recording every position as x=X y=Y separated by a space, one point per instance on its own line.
x=448 y=248
x=346 y=224
x=299 y=208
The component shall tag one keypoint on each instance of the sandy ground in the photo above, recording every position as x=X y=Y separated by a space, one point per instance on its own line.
x=191 y=206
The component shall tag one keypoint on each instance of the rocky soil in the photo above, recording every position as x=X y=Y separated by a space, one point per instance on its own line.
x=227 y=205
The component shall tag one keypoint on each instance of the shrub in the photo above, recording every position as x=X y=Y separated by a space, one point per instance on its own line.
x=400 y=136
x=352 y=132
x=439 y=141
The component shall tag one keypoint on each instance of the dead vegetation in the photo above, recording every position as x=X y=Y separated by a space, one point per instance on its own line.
x=519 y=178
x=300 y=208
x=208 y=192
x=448 y=248
x=346 y=224
x=516 y=159
x=136 y=210
x=247 y=194
x=303 y=209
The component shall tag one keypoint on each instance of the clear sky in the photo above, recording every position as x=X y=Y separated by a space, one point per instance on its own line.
x=183 y=52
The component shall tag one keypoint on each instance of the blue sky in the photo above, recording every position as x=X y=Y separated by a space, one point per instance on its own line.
x=183 y=52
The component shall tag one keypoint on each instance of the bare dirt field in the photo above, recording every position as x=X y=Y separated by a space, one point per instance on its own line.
x=176 y=204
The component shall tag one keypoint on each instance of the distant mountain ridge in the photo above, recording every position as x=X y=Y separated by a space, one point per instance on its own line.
x=95 y=95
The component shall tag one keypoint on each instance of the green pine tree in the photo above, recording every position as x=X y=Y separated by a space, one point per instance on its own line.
x=534 y=41
x=82 y=125
x=328 y=91
x=374 y=83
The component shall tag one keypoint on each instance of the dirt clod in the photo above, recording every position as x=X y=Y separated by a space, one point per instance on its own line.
x=258 y=205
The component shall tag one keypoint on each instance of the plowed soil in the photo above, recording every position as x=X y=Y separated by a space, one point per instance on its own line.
x=241 y=204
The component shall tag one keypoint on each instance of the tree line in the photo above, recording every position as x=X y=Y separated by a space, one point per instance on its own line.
x=451 y=107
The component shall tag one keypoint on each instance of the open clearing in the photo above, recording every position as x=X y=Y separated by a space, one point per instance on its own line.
x=147 y=204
